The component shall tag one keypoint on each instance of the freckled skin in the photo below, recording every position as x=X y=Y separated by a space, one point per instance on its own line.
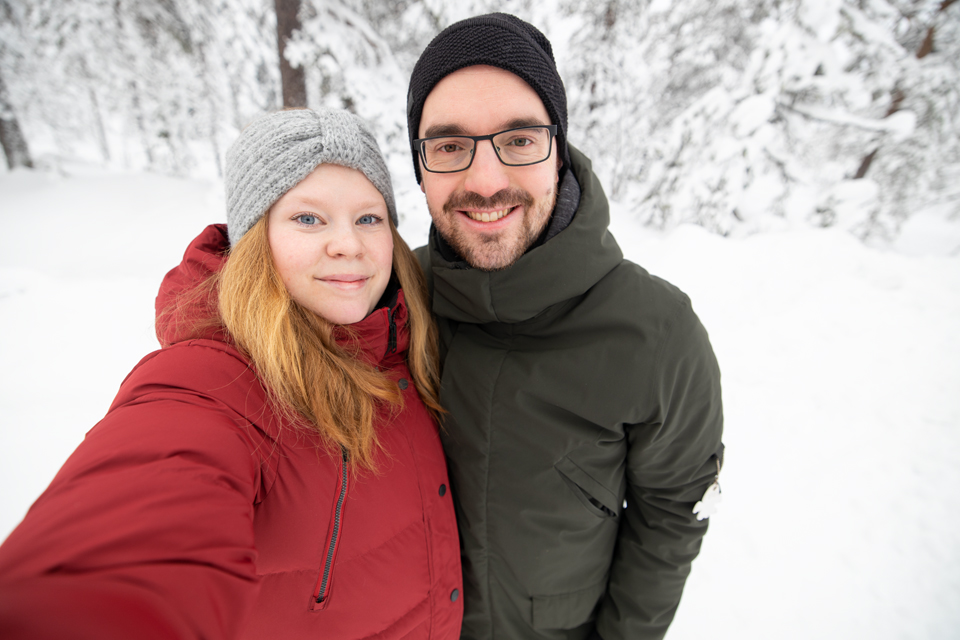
x=331 y=243
x=481 y=100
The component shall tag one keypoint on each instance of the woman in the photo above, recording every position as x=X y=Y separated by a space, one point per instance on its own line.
x=274 y=471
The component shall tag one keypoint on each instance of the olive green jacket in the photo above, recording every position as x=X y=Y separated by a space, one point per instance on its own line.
x=585 y=422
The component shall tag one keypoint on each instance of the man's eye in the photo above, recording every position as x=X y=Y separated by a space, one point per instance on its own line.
x=307 y=219
x=521 y=142
x=369 y=219
x=449 y=147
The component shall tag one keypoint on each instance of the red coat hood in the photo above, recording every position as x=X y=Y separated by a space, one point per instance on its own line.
x=180 y=314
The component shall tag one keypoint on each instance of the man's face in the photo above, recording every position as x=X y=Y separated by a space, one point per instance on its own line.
x=490 y=213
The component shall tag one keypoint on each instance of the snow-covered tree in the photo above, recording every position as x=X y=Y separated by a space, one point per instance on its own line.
x=14 y=143
x=721 y=113
x=634 y=66
x=292 y=77
x=726 y=113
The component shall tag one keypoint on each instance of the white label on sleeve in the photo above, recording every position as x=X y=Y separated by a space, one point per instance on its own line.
x=709 y=502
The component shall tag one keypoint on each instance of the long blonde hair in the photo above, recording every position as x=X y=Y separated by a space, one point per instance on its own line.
x=299 y=361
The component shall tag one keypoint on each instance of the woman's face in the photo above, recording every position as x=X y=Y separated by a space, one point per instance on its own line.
x=331 y=242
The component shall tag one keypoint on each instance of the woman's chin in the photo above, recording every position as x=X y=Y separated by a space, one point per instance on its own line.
x=344 y=313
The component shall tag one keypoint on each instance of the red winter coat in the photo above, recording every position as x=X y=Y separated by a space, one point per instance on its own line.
x=188 y=512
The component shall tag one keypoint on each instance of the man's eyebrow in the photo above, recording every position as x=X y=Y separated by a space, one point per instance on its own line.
x=444 y=130
x=457 y=130
x=516 y=123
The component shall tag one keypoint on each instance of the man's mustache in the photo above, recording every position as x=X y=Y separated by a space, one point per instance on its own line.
x=502 y=199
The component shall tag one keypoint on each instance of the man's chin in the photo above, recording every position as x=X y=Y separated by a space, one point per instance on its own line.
x=492 y=263
x=493 y=251
x=485 y=253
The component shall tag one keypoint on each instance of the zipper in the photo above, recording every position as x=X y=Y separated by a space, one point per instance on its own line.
x=392 y=341
x=323 y=585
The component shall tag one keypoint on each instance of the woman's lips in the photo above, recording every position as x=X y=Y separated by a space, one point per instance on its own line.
x=347 y=281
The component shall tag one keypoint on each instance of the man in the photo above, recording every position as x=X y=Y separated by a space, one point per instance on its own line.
x=584 y=397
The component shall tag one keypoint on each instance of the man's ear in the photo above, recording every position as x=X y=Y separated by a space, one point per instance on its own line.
x=422 y=190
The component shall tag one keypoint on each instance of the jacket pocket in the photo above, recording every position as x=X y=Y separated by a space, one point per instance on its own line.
x=596 y=498
x=567 y=610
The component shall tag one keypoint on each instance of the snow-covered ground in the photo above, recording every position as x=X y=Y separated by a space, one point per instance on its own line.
x=841 y=368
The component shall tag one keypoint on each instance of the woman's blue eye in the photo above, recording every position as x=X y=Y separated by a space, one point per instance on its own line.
x=307 y=219
x=369 y=219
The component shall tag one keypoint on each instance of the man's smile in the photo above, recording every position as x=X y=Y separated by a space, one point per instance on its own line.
x=488 y=216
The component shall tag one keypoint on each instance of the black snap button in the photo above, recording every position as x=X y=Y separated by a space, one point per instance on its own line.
x=454 y=595
x=402 y=383
x=443 y=490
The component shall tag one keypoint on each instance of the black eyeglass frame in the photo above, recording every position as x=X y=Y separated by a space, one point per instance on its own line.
x=551 y=129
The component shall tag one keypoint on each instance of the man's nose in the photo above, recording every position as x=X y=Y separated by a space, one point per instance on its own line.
x=486 y=175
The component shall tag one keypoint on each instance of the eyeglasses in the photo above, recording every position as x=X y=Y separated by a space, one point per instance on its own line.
x=514 y=147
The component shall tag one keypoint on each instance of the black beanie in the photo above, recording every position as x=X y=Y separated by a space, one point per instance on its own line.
x=499 y=40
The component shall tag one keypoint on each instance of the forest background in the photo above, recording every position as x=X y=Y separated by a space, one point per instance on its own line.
x=729 y=114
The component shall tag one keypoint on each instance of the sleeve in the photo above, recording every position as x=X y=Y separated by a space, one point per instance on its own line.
x=672 y=459
x=146 y=531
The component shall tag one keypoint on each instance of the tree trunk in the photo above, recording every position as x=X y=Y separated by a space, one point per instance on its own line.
x=291 y=78
x=11 y=137
x=896 y=99
x=141 y=124
x=865 y=164
x=101 y=131
x=927 y=47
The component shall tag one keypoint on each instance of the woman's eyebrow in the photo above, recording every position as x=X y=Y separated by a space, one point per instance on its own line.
x=316 y=202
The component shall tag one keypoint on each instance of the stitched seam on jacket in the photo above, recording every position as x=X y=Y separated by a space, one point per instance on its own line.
x=348 y=559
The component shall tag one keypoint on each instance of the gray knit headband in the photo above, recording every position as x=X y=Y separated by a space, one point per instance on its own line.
x=276 y=151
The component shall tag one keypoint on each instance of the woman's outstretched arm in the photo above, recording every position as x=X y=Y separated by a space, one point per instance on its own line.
x=147 y=530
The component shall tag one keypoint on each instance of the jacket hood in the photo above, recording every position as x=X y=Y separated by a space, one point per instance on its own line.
x=182 y=314
x=564 y=267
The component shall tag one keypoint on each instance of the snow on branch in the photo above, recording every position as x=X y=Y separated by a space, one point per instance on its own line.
x=901 y=124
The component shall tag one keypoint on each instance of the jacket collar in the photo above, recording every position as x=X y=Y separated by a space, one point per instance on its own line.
x=564 y=267
x=380 y=336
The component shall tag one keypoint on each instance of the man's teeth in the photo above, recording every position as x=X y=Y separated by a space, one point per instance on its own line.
x=488 y=216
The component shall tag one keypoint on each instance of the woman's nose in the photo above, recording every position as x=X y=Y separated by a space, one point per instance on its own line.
x=345 y=241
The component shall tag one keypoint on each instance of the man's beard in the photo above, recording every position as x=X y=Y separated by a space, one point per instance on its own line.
x=494 y=251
